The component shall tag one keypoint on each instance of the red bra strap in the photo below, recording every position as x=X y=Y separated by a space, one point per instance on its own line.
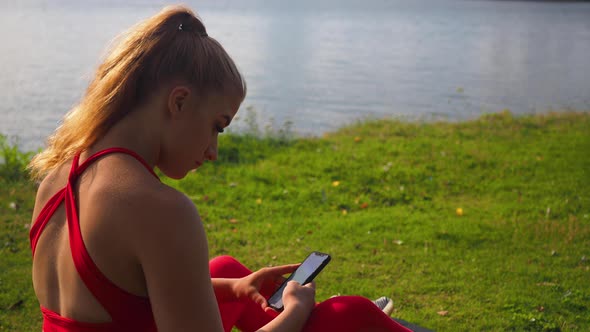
x=77 y=170
x=106 y=293
x=44 y=217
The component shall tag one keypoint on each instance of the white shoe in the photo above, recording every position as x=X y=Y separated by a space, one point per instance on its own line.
x=385 y=304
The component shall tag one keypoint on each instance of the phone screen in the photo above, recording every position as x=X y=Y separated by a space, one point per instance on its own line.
x=304 y=274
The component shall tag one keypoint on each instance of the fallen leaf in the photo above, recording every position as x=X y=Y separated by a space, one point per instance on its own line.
x=443 y=313
x=335 y=183
x=364 y=205
x=357 y=139
x=459 y=211
x=233 y=221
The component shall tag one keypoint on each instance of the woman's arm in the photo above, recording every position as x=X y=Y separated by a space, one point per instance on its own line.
x=224 y=289
x=172 y=248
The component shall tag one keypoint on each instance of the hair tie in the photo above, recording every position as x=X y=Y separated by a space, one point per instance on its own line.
x=202 y=34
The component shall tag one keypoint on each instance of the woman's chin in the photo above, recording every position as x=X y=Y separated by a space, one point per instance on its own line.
x=176 y=174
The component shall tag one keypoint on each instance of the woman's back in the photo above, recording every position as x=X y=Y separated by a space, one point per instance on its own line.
x=109 y=199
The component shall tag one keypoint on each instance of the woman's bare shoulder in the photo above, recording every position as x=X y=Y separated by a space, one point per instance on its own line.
x=126 y=186
x=162 y=205
x=49 y=186
x=145 y=202
x=121 y=195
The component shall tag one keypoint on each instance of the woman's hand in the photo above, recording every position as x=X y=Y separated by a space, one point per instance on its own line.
x=300 y=296
x=265 y=280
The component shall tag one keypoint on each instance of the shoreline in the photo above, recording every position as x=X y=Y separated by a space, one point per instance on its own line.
x=248 y=124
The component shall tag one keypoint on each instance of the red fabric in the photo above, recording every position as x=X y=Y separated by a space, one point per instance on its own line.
x=128 y=312
x=341 y=313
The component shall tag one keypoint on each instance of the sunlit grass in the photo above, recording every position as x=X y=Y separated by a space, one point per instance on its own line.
x=480 y=225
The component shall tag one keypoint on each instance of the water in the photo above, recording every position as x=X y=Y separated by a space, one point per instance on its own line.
x=319 y=64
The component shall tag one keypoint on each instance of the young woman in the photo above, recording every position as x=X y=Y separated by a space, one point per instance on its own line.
x=114 y=249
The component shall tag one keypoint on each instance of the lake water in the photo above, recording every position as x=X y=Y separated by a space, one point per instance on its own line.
x=319 y=64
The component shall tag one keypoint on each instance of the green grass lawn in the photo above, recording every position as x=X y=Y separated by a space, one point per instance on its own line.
x=382 y=198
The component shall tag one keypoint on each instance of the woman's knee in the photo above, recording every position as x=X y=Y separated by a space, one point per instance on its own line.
x=343 y=305
x=227 y=267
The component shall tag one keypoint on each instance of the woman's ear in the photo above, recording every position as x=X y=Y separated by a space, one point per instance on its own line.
x=177 y=99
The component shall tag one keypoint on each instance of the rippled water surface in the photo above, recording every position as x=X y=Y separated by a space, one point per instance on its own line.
x=319 y=64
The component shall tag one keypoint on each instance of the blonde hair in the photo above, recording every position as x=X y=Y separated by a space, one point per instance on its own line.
x=173 y=44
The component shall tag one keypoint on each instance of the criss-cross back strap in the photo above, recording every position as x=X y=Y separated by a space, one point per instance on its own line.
x=116 y=301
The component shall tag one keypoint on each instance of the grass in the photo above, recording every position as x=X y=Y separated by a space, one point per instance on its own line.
x=382 y=198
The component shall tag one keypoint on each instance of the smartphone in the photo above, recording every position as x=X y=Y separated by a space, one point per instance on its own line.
x=309 y=269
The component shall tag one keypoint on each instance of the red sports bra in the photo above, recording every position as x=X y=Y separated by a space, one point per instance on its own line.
x=128 y=312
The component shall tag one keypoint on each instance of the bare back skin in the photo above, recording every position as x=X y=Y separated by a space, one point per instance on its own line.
x=111 y=195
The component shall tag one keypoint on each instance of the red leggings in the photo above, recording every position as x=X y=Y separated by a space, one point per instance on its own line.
x=341 y=313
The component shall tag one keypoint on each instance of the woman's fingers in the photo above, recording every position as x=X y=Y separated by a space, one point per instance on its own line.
x=258 y=298
x=281 y=270
x=310 y=285
x=279 y=280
